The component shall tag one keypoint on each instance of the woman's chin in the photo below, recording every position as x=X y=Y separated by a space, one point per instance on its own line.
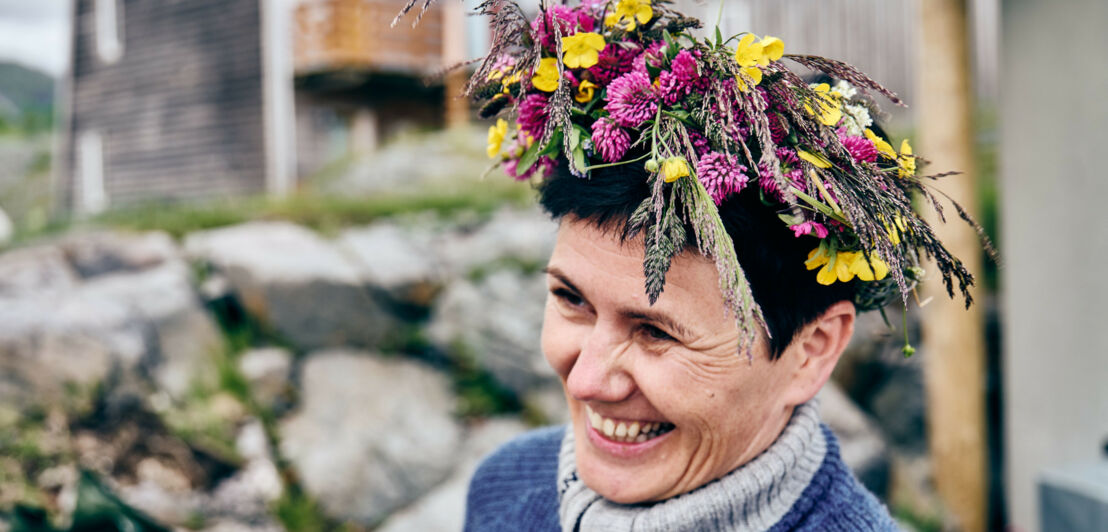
x=625 y=473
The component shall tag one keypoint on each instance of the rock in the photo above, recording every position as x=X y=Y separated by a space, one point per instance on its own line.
x=296 y=283
x=38 y=271
x=99 y=253
x=860 y=442
x=443 y=509
x=389 y=258
x=524 y=237
x=185 y=335
x=268 y=371
x=52 y=347
x=7 y=230
x=248 y=494
x=497 y=321
x=371 y=434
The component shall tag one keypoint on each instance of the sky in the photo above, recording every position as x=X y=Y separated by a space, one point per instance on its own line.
x=33 y=32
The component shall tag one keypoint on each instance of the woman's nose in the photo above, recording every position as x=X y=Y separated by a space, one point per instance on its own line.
x=599 y=372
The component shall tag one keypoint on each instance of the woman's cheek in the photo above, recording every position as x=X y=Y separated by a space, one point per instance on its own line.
x=558 y=339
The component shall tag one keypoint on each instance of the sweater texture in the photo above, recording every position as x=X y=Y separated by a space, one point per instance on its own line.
x=797 y=484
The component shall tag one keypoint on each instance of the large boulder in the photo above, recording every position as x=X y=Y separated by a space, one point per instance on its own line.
x=510 y=236
x=58 y=334
x=497 y=321
x=37 y=272
x=181 y=337
x=7 y=230
x=372 y=434
x=296 y=283
x=397 y=261
x=98 y=253
x=443 y=509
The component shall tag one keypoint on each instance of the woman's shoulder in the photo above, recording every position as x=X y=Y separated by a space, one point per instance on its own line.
x=835 y=500
x=516 y=485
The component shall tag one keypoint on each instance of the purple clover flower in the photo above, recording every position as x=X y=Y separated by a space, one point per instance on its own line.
x=722 y=175
x=860 y=148
x=611 y=141
x=632 y=99
x=809 y=228
x=533 y=114
x=614 y=61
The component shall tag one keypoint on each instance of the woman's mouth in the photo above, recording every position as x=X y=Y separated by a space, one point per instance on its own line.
x=624 y=430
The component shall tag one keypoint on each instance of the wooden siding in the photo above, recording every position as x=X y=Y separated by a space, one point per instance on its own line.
x=355 y=34
x=181 y=111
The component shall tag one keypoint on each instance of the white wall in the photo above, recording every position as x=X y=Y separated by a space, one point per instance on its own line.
x=1054 y=142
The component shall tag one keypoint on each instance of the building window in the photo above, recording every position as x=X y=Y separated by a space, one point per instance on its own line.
x=109 y=38
x=91 y=196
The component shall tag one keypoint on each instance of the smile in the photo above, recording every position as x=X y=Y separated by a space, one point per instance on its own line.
x=626 y=431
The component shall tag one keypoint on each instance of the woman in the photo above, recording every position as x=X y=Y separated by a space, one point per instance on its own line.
x=721 y=222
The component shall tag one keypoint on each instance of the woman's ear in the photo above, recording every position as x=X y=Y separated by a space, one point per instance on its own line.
x=816 y=349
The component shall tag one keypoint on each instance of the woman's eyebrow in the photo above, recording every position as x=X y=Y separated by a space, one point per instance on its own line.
x=550 y=270
x=656 y=317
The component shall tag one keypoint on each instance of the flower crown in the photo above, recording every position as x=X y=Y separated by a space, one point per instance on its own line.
x=609 y=83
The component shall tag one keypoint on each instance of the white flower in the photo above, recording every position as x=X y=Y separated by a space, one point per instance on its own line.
x=856 y=119
x=844 y=89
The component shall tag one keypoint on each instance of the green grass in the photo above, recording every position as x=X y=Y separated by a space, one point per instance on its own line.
x=324 y=213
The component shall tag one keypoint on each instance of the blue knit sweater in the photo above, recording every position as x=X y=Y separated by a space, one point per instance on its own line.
x=515 y=490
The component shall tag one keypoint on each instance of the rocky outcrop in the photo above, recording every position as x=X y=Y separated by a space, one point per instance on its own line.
x=496 y=320
x=371 y=433
x=296 y=283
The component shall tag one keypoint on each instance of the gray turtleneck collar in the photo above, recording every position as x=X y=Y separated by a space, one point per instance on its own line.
x=752 y=497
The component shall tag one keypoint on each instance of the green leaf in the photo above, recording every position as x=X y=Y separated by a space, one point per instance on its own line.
x=719 y=37
x=579 y=158
x=791 y=219
x=532 y=154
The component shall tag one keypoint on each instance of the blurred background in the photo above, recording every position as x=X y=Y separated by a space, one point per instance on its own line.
x=253 y=274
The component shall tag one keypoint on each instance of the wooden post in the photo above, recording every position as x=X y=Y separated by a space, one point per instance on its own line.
x=953 y=338
x=454 y=52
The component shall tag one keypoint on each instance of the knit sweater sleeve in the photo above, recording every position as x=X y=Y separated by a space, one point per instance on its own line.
x=514 y=488
x=835 y=501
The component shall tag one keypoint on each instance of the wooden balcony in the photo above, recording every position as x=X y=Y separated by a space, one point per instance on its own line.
x=351 y=40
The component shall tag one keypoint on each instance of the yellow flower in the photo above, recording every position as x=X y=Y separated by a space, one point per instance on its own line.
x=882 y=146
x=906 y=161
x=585 y=91
x=773 y=48
x=582 y=50
x=819 y=161
x=546 y=75
x=874 y=269
x=674 y=168
x=750 y=53
x=496 y=137
x=842 y=266
x=830 y=107
x=898 y=226
x=628 y=12
x=508 y=81
x=752 y=72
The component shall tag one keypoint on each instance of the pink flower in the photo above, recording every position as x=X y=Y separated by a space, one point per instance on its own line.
x=566 y=19
x=778 y=128
x=632 y=99
x=614 y=61
x=860 y=148
x=533 y=114
x=768 y=182
x=542 y=167
x=700 y=142
x=610 y=140
x=809 y=228
x=721 y=174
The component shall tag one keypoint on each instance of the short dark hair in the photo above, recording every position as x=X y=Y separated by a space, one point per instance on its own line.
x=772 y=257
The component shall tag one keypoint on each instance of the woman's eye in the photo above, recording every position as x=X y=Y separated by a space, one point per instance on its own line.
x=568 y=297
x=656 y=333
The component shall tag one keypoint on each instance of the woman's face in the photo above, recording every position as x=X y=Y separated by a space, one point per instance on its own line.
x=661 y=401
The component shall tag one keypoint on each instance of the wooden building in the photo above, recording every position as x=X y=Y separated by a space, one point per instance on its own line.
x=200 y=99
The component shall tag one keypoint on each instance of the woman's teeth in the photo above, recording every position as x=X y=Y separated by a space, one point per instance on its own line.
x=624 y=431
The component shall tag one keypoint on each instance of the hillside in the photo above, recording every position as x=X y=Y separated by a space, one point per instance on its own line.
x=30 y=91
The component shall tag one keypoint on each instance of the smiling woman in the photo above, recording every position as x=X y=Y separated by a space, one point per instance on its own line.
x=698 y=183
